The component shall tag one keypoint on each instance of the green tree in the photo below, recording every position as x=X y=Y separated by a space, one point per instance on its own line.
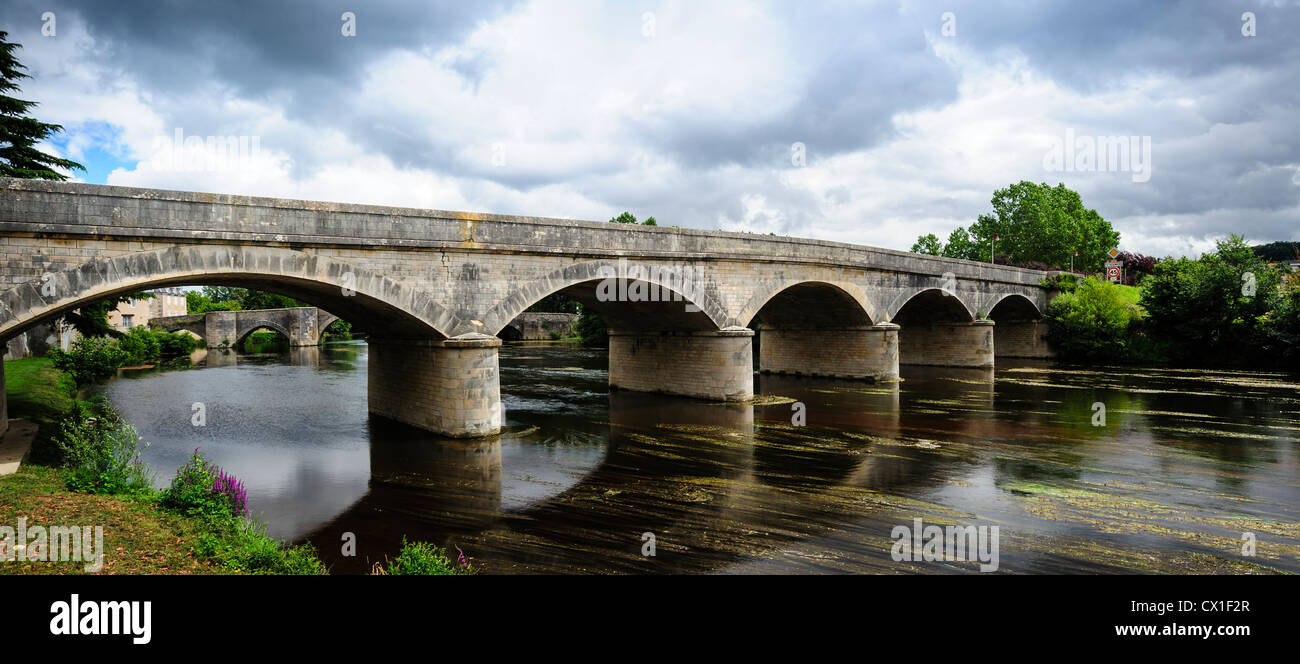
x=591 y=329
x=19 y=133
x=928 y=244
x=256 y=299
x=231 y=298
x=198 y=303
x=1038 y=222
x=961 y=246
x=556 y=303
x=1216 y=305
x=629 y=218
x=91 y=320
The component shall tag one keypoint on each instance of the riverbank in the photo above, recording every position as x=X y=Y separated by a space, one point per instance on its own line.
x=140 y=537
x=190 y=530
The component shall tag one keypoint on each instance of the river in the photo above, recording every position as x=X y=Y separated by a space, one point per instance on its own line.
x=1184 y=471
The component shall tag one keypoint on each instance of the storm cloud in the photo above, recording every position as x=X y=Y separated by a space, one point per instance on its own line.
x=869 y=123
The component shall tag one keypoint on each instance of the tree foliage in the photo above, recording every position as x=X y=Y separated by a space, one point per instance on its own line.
x=1228 y=307
x=629 y=218
x=20 y=133
x=1214 y=305
x=1278 y=251
x=230 y=298
x=928 y=244
x=1033 y=224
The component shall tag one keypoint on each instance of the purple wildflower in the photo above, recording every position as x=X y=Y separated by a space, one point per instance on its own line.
x=233 y=489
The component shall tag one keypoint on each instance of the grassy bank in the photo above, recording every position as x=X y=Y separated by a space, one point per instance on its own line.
x=140 y=535
x=139 y=538
x=191 y=528
x=40 y=393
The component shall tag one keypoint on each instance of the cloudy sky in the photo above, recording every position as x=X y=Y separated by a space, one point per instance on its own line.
x=860 y=122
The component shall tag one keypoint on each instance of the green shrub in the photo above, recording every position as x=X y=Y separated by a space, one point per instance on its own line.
x=1065 y=283
x=1098 y=321
x=1216 y=308
x=89 y=359
x=102 y=452
x=140 y=346
x=591 y=329
x=425 y=559
x=339 y=329
x=172 y=344
x=201 y=490
x=243 y=545
x=191 y=492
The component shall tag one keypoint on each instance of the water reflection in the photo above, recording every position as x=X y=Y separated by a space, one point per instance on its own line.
x=1183 y=465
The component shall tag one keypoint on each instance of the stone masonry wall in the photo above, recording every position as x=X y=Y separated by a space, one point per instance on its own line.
x=852 y=353
x=1022 y=339
x=715 y=366
x=947 y=345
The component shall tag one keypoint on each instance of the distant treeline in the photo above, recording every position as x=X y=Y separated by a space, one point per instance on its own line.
x=1278 y=251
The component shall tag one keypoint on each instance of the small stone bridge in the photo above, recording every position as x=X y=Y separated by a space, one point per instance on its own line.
x=433 y=290
x=537 y=325
x=304 y=326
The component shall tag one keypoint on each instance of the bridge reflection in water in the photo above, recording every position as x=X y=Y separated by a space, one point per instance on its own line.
x=715 y=485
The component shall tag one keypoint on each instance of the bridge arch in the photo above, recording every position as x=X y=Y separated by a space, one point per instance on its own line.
x=1014 y=306
x=820 y=328
x=250 y=327
x=375 y=302
x=583 y=282
x=930 y=305
x=667 y=328
x=831 y=296
x=938 y=328
x=1020 y=330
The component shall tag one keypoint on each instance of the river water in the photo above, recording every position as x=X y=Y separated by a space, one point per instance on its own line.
x=1184 y=471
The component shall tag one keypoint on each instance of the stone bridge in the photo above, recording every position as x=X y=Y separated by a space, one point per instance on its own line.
x=536 y=325
x=433 y=289
x=304 y=326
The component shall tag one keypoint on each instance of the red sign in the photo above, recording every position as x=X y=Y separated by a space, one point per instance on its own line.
x=1112 y=270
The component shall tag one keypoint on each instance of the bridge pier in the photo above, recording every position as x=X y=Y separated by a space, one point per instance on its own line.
x=302 y=327
x=451 y=387
x=220 y=329
x=868 y=352
x=1022 y=338
x=968 y=344
x=707 y=365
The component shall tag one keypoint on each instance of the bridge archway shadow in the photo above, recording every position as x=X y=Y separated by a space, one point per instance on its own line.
x=659 y=340
x=1019 y=330
x=937 y=329
x=819 y=329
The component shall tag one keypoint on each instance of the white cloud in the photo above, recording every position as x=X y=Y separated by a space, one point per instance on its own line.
x=568 y=109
